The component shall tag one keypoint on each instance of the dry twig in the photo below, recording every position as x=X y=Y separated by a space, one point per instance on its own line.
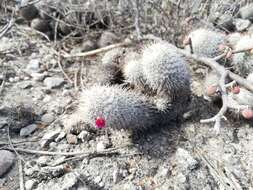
x=6 y=27
x=136 y=5
x=91 y=153
x=217 y=171
x=62 y=70
x=97 y=51
x=21 y=175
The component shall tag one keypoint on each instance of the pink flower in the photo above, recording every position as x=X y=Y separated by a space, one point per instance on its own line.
x=100 y=123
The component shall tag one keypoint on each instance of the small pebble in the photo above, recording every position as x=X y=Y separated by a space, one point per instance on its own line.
x=60 y=137
x=6 y=161
x=242 y=24
x=97 y=179
x=33 y=65
x=28 y=130
x=100 y=146
x=47 y=118
x=42 y=160
x=84 y=136
x=25 y=85
x=30 y=184
x=38 y=76
x=71 y=139
x=53 y=82
x=49 y=137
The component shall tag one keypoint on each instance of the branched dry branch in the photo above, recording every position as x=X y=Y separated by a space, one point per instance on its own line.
x=222 y=85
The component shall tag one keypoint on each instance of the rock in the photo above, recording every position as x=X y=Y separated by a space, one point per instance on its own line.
x=60 y=137
x=115 y=176
x=38 y=76
x=3 y=121
x=29 y=12
x=47 y=118
x=33 y=66
x=225 y=22
x=6 y=161
x=180 y=182
x=70 y=180
x=11 y=79
x=53 y=82
x=242 y=24
x=88 y=46
x=65 y=28
x=246 y=12
x=185 y=161
x=30 y=184
x=85 y=46
x=43 y=160
x=49 y=137
x=71 y=139
x=84 y=136
x=127 y=186
x=25 y=85
x=31 y=168
x=97 y=180
x=100 y=146
x=41 y=25
x=107 y=38
x=28 y=130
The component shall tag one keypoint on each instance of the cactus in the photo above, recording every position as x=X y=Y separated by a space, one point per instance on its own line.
x=206 y=42
x=120 y=108
x=100 y=74
x=132 y=70
x=165 y=72
x=211 y=86
x=114 y=57
x=162 y=70
x=243 y=62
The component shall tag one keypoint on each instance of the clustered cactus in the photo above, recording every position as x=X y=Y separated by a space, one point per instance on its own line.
x=160 y=71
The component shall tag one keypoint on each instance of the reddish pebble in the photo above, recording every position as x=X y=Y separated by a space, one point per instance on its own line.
x=251 y=51
x=186 y=41
x=211 y=90
x=236 y=90
x=229 y=54
x=247 y=113
x=222 y=47
x=100 y=123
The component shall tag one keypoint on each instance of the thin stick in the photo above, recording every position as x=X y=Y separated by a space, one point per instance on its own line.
x=7 y=27
x=11 y=145
x=97 y=51
x=21 y=175
x=38 y=152
x=62 y=70
x=233 y=52
x=136 y=5
x=2 y=86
